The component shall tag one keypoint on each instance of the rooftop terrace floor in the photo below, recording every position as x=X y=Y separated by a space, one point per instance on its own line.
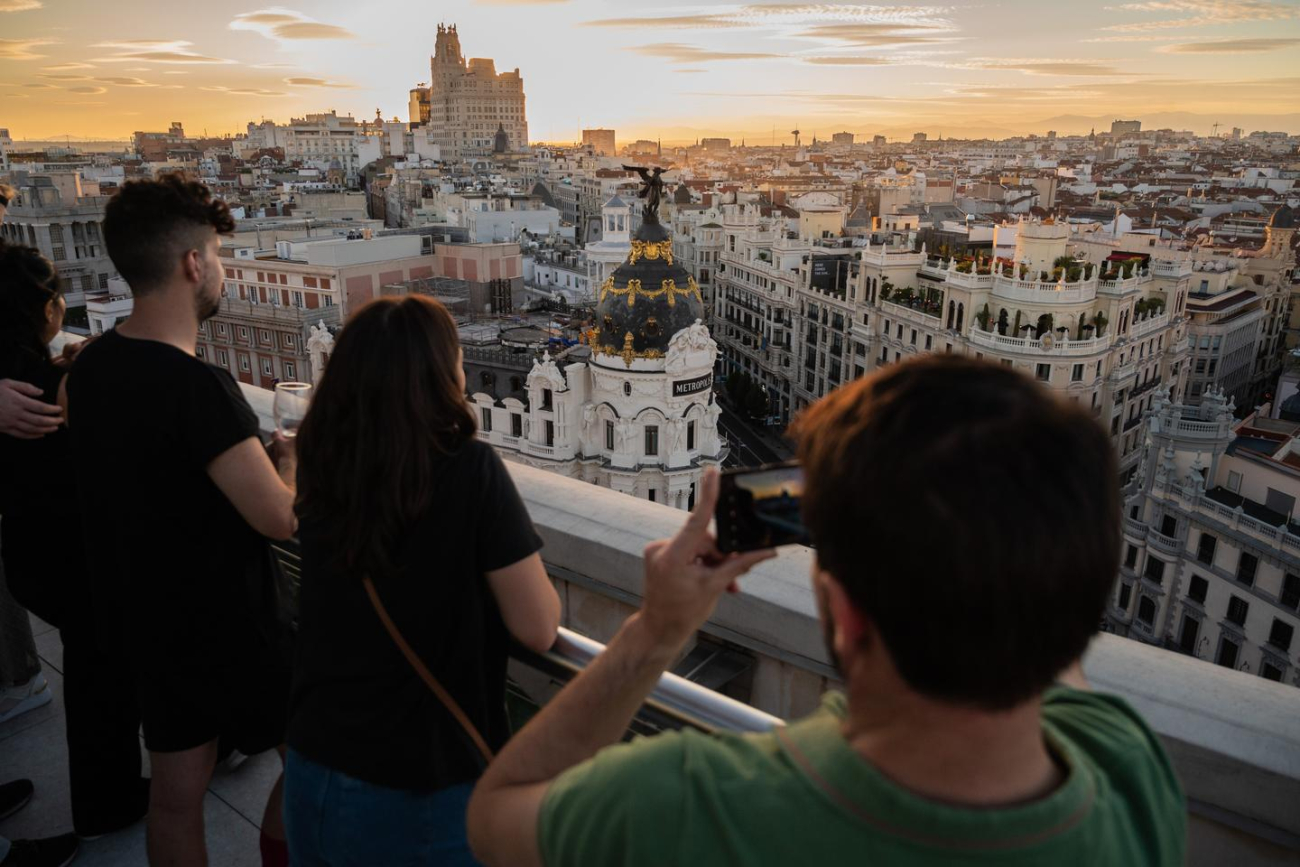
x=33 y=746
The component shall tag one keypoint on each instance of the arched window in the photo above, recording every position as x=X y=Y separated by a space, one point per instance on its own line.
x=961 y=315
x=952 y=313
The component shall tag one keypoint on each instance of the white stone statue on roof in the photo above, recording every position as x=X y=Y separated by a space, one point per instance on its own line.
x=320 y=345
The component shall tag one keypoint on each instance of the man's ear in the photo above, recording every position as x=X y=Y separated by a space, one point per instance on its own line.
x=192 y=266
x=852 y=627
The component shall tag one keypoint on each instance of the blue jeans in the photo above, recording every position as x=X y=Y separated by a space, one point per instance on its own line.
x=333 y=820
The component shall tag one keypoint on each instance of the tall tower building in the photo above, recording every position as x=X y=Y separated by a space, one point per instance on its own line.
x=466 y=102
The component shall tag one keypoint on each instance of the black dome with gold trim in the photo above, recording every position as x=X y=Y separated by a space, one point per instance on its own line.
x=648 y=299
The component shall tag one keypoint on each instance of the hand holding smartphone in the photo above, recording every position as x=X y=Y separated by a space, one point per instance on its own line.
x=761 y=507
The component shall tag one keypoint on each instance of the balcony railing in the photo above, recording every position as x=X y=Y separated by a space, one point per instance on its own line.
x=1044 y=292
x=910 y=314
x=676 y=702
x=1143 y=327
x=1165 y=543
x=1037 y=346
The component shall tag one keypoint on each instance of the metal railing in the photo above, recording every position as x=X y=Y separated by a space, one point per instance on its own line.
x=675 y=702
x=675 y=699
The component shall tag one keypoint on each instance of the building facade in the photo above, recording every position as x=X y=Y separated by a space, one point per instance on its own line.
x=467 y=102
x=1211 y=563
x=62 y=216
x=601 y=141
x=803 y=316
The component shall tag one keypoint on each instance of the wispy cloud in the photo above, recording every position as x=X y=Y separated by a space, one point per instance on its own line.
x=286 y=24
x=1041 y=66
x=317 y=82
x=521 y=2
x=125 y=81
x=243 y=91
x=19 y=5
x=877 y=35
x=36 y=85
x=670 y=22
x=1231 y=46
x=88 y=89
x=155 y=51
x=847 y=61
x=22 y=49
x=679 y=52
x=1202 y=13
x=791 y=14
x=63 y=76
x=67 y=67
x=689 y=71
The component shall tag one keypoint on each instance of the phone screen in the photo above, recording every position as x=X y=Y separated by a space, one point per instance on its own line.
x=761 y=507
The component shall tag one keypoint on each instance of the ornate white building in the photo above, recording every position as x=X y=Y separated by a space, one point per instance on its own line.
x=639 y=416
x=466 y=103
x=1211 y=564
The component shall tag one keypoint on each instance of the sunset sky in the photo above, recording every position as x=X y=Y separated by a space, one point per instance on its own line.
x=104 y=69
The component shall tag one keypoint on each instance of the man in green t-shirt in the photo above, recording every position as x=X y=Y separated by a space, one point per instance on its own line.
x=967 y=528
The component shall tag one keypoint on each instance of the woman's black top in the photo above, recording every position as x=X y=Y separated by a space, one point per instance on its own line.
x=357 y=706
x=41 y=534
x=36 y=473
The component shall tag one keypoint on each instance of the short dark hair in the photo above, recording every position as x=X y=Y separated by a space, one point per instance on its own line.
x=148 y=225
x=971 y=515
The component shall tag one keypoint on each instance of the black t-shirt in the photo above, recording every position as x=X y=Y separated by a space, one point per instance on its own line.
x=36 y=477
x=194 y=586
x=357 y=705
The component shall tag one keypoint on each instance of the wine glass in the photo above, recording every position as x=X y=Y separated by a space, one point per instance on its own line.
x=290 y=406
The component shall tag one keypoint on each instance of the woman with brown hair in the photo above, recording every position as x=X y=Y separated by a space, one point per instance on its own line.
x=394 y=487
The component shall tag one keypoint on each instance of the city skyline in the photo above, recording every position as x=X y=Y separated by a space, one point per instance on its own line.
x=750 y=72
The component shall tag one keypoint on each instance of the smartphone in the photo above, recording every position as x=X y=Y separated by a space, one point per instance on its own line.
x=761 y=507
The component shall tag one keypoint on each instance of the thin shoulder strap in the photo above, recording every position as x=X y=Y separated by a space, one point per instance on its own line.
x=426 y=675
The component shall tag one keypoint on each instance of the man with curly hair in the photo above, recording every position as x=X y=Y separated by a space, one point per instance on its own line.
x=178 y=514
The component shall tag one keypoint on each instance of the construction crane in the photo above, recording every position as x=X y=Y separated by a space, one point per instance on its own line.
x=795 y=133
x=1214 y=130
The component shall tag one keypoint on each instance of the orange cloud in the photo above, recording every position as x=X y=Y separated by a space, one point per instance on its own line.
x=278 y=23
x=679 y=52
x=316 y=82
x=1230 y=46
x=21 y=49
x=156 y=51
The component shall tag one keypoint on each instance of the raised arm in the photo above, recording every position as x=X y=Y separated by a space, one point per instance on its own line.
x=684 y=578
x=262 y=493
x=528 y=602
